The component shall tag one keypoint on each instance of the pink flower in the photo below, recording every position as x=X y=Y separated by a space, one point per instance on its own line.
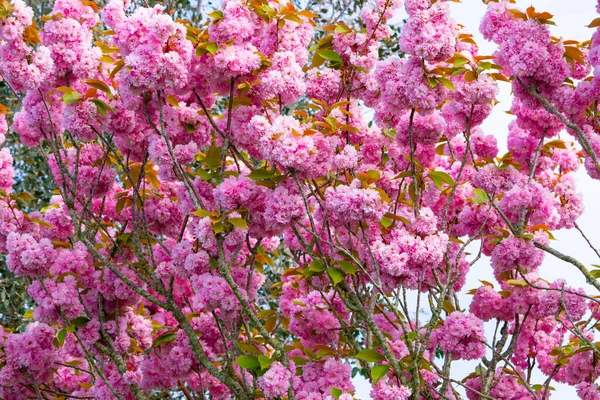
x=28 y=256
x=7 y=171
x=425 y=129
x=155 y=49
x=29 y=354
x=352 y=204
x=323 y=84
x=462 y=336
x=429 y=33
x=276 y=381
x=388 y=390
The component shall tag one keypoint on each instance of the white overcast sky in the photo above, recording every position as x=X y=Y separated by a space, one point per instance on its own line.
x=571 y=17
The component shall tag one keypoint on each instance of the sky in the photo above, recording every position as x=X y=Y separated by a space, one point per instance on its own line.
x=571 y=18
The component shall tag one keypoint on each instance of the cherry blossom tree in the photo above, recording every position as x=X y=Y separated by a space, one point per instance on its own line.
x=258 y=204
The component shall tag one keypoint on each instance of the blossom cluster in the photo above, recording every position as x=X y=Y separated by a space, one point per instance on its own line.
x=246 y=208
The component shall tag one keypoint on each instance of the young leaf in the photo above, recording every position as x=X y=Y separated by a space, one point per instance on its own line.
x=259 y=174
x=201 y=213
x=335 y=392
x=330 y=55
x=336 y=275
x=166 y=337
x=479 y=196
x=99 y=85
x=80 y=321
x=595 y=23
x=213 y=157
x=62 y=335
x=386 y=222
x=448 y=307
x=347 y=267
x=265 y=362
x=238 y=222
x=248 y=362
x=378 y=372
x=316 y=267
x=218 y=227
x=172 y=101
x=459 y=62
x=369 y=355
x=446 y=82
x=102 y=106
x=516 y=282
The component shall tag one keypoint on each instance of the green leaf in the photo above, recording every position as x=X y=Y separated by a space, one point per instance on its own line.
x=336 y=275
x=166 y=337
x=102 y=106
x=211 y=47
x=459 y=62
x=527 y=236
x=80 y=321
x=485 y=65
x=216 y=14
x=62 y=335
x=479 y=196
x=218 y=227
x=238 y=222
x=516 y=282
x=259 y=174
x=538 y=387
x=72 y=97
x=264 y=361
x=99 y=85
x=317 y=265
x=446 y=82
x=557 y=144
x=293 y=18
x=65 y=89
x=24 y=197
x=124 y=237
x=448 y=307
x=595 y=273
x=317 y=61
x=347 y=266
x=405 y=174
x=342 y=28
x=369 y=355
x=378 y=372
x=335 y=392
x=201 y=213
x=376 y=175
x=324 y=352
x=386 y=222
x=213 y=157
x=439 y=178
x=248 y=362
x=459 y=71
x=249 y=349
x=330 y=55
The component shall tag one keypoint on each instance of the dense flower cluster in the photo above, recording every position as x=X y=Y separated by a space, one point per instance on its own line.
x=462 y=336
x=249 y=209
